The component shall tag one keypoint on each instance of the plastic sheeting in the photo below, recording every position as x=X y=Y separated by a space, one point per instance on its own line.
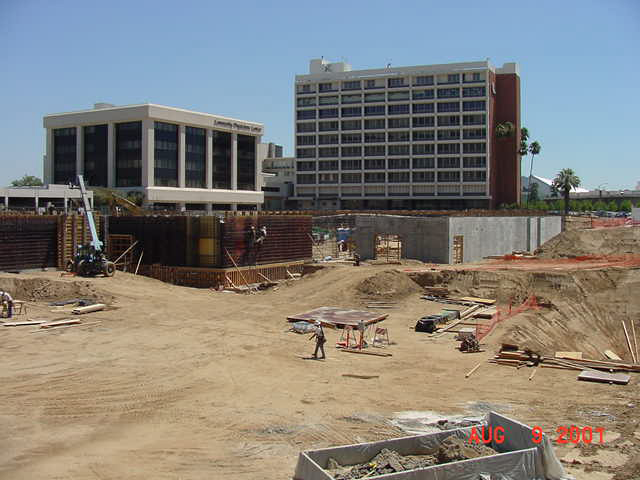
x=519 y=458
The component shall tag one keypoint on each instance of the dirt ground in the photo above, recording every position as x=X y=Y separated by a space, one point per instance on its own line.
x=182 y=383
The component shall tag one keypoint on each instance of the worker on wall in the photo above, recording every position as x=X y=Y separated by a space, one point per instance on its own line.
x=6 y=302
x=320 y=340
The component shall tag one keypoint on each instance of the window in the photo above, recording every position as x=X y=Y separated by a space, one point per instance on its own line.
x=422 y=149
x=398 y=150
x=128 y=154
x=330 y=100
x=398 y=163
x=423 y=94
x=448 y=176
x=398 y=96
x=306 y=178
x=423 y=163
x=306 y=152
x=328 y=113
x=374 y=177
x=351 y=178
x=449 y=78
x=306 y=166
x=95 y=155
x=374 y=150
x=195 y=158
x=221 y=166
x=351 y=164
x=473 y=77
x=351 y=138
x=377 y=137
x=399 y=137
x=371 y=84
x=328 y=139
x=328 y=177
x=397 y=82
x=475 y=162
x=374 y=124
x=424 y=80
x=453 y=162
x=306 y=127
x=473 y=106
x=64 y=155
x=246 y=162
x=470 y=133
x=449 y=107
x=448 y=120
x=325 y=87
x=374 y=97
x=327 y=126
x=306 y=114
x=399 y=122
x=448 y=134
x=474 y=176
x=423 y=108
x=351 y=124
x=352 y=112
x=374 y=164
x=328 y=165
x=165 y=154
x=423 y=177
x=422 y=135
x=351 y=151
x=448 y=92
x=449 y=148
x=306 y=140
x=351 y=98
x=473 y=92
x=478 y=119
x=474 y=148
x=399 y=177
x=328 y=152
x=353 y=85
x=423 y=122
x=398 y=109
x=306 y=102
x=305 y=89
x=374 y=110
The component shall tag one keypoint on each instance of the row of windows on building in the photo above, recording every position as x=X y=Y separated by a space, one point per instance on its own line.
x=392 y=96
x=396 y=136
x=391 y=150
x=393 y=82
x=391 y=164
x=390 y=123
x=399 y=109
x=391 y=177
x=128 y=156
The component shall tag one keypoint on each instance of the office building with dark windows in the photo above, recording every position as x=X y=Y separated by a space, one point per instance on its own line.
x=178 y=159
x=417 y=137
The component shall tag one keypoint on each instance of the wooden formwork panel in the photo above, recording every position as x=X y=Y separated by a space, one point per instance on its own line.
x=216 y=277
x=28 y=241
x=73 y=231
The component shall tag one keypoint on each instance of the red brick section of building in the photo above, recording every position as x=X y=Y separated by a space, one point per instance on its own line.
x=505 y=161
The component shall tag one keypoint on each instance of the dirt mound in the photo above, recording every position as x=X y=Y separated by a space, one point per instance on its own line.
x=389 y=283
x=600 y=241
x=37 y=288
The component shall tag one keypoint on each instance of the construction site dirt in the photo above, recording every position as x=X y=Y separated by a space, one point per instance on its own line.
x=176 y=382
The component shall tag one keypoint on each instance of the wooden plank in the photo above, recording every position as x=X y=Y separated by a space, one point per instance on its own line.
x=611 y=355
x=626 y=334
x=472 y=370
x=67 y=326
x=486 y=301
x=365 y=352
x=635 y=339
x=61 y=322
x=96 y=307
x=569 y=355
x=532 y=374
x=19 y=324
x=604 y=377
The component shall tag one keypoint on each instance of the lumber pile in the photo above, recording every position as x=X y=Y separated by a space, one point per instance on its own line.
x=437 y=291
x=519 y=358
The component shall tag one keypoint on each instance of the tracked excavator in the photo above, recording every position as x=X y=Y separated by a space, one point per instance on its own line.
x=90 y=259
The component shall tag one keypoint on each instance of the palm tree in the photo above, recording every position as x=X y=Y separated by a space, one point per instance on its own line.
x=565 y=181
x=505 y=129
x=534 y=149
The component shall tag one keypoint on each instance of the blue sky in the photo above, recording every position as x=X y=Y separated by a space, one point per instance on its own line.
x=579 y=65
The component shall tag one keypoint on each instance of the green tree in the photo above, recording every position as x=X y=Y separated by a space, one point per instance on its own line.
x=505 y=129
x=565 y=181
x=599 y=205
x=27 y=181
x=534 y=149
x=625 y=206
x=612 y=206
x=587 y=205
x=533 y=192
